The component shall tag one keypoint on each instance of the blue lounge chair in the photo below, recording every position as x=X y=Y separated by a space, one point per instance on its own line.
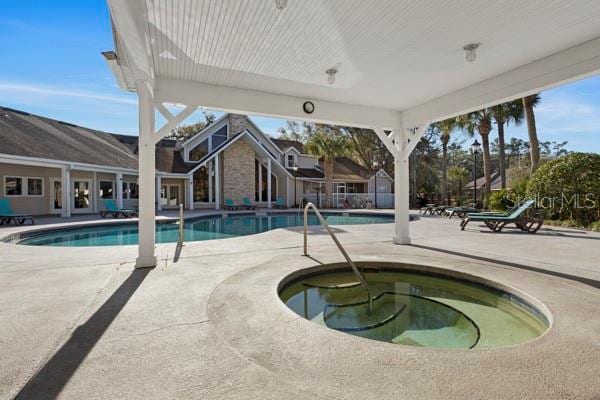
x=280 y=204
x=7 y=215
x=497 y=222
x=230 y=205
x=116 y=212
x=247 y=204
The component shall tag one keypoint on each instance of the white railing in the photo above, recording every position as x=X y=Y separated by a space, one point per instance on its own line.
x=355 y=200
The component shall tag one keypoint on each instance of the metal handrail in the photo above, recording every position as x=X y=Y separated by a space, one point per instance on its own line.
x=356 y=271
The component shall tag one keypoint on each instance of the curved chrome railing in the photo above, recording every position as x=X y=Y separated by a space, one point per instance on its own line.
x=356 y=271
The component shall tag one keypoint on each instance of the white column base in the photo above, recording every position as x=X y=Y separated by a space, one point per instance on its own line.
x=146 y=262
x=401 y=240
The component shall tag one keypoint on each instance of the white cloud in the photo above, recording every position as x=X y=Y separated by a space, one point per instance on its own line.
x=18 y=89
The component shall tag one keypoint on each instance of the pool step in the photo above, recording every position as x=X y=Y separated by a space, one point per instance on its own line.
x=355 y=317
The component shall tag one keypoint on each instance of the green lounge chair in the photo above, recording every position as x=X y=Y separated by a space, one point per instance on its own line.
x=460 y=211
x=427 y=209
x=247 y=204
x=116 y=212
x=7 y=215
x=230 y=205
x=280 y=204
x=497 y=222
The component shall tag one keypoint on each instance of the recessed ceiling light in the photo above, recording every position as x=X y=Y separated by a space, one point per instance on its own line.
x=471 y=51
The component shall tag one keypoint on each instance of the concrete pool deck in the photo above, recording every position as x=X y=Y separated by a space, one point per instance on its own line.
x=82 y=323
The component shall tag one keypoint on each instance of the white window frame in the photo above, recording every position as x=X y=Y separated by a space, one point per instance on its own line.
x=287 y=160
x=114 y=188
x=127 y=190
x=24 y=186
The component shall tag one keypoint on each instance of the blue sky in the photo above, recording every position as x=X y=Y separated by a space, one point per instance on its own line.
x=51 y=65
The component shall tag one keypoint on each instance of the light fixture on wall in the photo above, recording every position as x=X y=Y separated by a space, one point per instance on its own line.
x=471 y=51
x=281 y=4
x=331 y=75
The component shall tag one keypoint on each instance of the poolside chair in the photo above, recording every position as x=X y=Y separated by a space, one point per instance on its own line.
x=116 y=212
x=459 y=211
x=7 y=215
x=280 y=204
x=497 y=222
x=247 y=204
x=230 y=205
x=427 y=209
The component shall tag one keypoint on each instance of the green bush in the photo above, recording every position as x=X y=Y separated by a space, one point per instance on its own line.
x=500 y=200
x=568 y=188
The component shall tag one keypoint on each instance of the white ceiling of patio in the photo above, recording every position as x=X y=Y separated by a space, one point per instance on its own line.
x=389 y=54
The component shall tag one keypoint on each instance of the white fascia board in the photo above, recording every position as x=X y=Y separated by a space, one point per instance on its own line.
x=130 y=20
x=254 y=102
x=259 y=131
x=289 y=149
x=575 y=63
x=46 y=162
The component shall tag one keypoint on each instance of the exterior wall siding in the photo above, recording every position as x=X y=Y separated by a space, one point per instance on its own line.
x=35 y=205
x=238 y=174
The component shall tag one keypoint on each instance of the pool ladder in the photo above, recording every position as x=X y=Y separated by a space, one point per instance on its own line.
x=356 y=271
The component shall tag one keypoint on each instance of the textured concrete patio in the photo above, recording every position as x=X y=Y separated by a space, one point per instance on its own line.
x=82 y=323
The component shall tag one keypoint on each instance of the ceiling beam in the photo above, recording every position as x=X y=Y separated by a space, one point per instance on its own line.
x=245 y=101
x=575 y=63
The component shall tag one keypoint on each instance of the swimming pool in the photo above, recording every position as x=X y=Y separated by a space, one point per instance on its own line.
x=415 y=308
x=204 y=228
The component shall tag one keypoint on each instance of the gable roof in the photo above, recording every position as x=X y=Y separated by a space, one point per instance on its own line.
x=284 y=144
x=28 y=135
x=346 y=169
x=496 y=183
x=245 y=134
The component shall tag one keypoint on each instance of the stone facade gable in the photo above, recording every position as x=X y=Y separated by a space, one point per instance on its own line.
x=238 y=172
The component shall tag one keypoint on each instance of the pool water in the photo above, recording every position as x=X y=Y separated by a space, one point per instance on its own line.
x=416 y=309
x=205 y=228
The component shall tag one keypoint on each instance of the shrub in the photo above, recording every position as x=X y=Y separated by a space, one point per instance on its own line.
x=500 y=200
x=568 y=188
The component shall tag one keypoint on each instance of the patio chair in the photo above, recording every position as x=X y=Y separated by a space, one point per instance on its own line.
x=280 y=204
x=116 y=212
x=497 y=222
x=7 y=215
x=460 y=211
x=427 y=209
x=247 y=204
x=230 y=205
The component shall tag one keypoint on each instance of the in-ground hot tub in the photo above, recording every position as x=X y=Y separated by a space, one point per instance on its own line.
x=415 y=307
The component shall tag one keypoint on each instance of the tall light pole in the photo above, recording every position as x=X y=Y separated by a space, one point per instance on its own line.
x=375 y=165
x=475 y=147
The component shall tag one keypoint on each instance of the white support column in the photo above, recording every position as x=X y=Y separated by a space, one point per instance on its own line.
x=65 y=177
x=260 y=188
x=95 y=192
x=268 y=183
x=190 y=191
x=401 y=190
x=119 y=191
x=217 y=183
x=211 y=187
x=157 y=193
x=146 y=169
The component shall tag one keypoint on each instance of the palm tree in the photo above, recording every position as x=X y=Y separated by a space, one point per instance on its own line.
x=504 y=114
x=445 y=129
x=328 y=144
x=481 y=121
x=529 y=103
